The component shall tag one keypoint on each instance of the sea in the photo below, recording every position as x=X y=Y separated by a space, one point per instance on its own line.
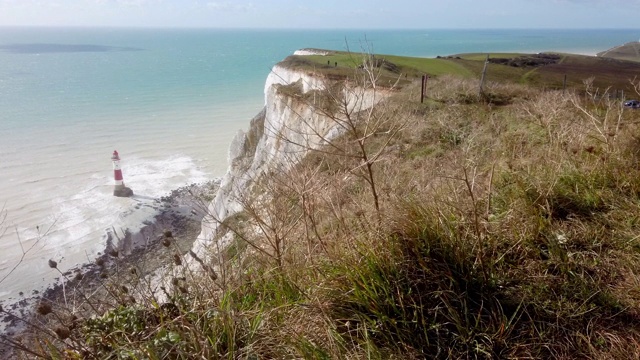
x=169 y=101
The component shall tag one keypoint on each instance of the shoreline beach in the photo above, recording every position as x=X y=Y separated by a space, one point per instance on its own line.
x=180 y=214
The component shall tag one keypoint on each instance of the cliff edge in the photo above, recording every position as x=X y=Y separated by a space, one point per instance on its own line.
x=292 y=123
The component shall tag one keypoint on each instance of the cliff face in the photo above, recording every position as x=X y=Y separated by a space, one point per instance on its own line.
x=293 y=122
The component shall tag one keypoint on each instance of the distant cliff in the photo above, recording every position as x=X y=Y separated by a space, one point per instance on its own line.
x=629 y=51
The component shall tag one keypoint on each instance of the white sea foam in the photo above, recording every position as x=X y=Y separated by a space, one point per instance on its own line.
x=74 y=231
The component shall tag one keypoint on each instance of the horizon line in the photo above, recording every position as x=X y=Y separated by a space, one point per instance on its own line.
x=305 y=29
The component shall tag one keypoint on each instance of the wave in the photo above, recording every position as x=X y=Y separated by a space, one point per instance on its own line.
x=80 y=212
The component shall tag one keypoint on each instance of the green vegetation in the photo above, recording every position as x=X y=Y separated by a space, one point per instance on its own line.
x=482 y=56
x=606 y=74
x=602 y=73
x=404 y=69
x=497 y=226
x=406 y=65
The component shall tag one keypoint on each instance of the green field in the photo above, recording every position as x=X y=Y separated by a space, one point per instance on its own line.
x=404 y=69
x=602 y=73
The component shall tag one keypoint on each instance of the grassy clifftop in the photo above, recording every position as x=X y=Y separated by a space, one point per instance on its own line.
x=461 y=227
x=602 y=73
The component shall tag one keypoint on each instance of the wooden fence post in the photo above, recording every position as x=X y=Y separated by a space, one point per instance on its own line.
x=484 y=72
x=422 y=89
x=426 y=81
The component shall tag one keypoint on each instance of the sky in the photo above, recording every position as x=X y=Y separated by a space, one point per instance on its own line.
x=323 y=14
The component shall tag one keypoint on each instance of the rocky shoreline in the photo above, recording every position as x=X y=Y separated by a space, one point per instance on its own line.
x=127 y=255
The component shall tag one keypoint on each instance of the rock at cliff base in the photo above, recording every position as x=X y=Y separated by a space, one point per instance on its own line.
x=123 y=192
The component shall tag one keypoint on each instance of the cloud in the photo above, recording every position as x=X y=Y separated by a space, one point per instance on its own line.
x=603 y=2
x=309 y=11
x=136 y=3
x=225 y=6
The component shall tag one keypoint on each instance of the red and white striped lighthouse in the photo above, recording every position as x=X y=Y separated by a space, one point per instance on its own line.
x=119 y=189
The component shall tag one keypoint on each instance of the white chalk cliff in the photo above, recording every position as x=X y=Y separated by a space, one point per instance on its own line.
x=288 y=127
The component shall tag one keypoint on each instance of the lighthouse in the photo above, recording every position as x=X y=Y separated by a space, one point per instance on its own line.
x=119 y=189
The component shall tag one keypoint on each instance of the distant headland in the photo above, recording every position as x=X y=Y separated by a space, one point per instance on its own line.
x=629 y=51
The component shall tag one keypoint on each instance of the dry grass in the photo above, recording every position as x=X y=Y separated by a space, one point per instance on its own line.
x=506 y=227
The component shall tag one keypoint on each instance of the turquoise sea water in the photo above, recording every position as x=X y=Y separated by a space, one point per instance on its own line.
x=169 y=101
